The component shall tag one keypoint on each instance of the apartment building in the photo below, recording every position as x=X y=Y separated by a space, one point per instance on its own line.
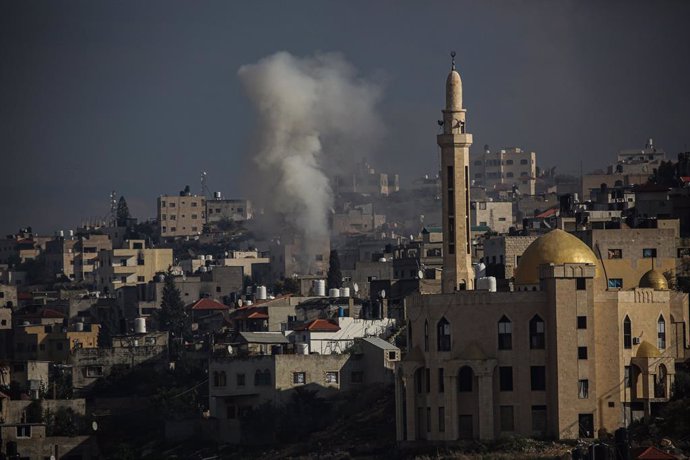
x=506 y=169
x=181 y=215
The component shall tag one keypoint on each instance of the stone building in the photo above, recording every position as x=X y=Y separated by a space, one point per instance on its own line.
x=132 y=265
x=502 y=254
x=563 y=355
x=497 y=215
x=220 y=209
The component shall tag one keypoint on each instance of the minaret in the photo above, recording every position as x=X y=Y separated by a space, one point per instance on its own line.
x=455 y=176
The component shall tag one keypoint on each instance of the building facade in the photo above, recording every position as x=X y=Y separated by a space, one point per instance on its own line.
x=506 y=169
x=181 y=215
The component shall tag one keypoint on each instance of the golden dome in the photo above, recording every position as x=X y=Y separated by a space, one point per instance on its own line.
x=654 y=279
x=647 y=350
x=556 y=247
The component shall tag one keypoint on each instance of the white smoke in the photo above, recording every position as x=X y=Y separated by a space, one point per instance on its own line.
x=314 y=115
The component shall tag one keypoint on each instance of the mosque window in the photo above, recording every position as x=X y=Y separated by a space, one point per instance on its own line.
x=538 y=378
x=441 y=419
x=582 y=322
x=580 y=284
x=536 y=333
x=507 y=419
x=615 y=283
x=661 y=333
x=581 y=352
x=409 y=335
x=443 y=335
x=583 y=389
x=628 y=377
x=441 y=383
x=505 y=334
x=627 y=333
x=465 y=378
x=426 y=335
x=649 y=252
x=505 y=378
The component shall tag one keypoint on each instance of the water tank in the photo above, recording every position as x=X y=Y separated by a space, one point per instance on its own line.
x=203 y=269
x=486 y=283
x=382 y=259
x=247 y=302
x=261 y=293
x=140 y=325
x=333 y=292
x=341 y=312
x=79 y=326
x=479 y=270
x=62 y=233
x=345 y=292
x=160 y=278
x=320 y=288
x=217 y=195
x=302 y=349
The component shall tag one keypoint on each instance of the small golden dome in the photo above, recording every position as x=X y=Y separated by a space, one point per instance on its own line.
x=556 y=247
x=654 y=279
x=647 y=350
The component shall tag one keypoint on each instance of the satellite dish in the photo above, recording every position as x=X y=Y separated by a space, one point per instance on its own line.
x=94 y=427
x=356 y=287
x=383 y=293
x=420 y=274
x=230 y=349
x=239 y=302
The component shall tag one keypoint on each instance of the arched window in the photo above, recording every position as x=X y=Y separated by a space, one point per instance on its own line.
x=536 y=333
x=443 y=335
x=418 y=379
x=409 y=335
x=465 y=378
x=627 y=333
x=661 y=333
x=426 y=335
x=505 y=334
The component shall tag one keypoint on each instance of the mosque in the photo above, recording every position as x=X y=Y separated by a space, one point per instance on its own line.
x=561 y=356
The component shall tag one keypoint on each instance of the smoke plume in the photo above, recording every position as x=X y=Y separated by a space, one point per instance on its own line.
x=315 y=117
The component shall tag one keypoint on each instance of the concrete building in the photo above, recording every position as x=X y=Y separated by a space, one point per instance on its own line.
x=497 y=215
x=425 y=255
x=357 y=219
x=219 y=209
x=252 y=262
x=39 y=342
x=502 y=254
x=130 y=266
x=325 y=337
x=8 y=296
x=236 y=386
x=366 y=181
x=299 y=256
x=75 y=257
x=181 y=215
x=507 y=169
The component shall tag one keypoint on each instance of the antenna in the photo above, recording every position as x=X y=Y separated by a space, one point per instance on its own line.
x=452 y=62
x=204 y=187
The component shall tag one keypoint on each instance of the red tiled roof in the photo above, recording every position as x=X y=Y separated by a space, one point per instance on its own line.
x=319 y=325
x=257 y=315
x=250 y=312
x=652 y=453
x=208 y=304
x=548 y=213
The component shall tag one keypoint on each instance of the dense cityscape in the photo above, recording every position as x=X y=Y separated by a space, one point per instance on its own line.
x=489 y=307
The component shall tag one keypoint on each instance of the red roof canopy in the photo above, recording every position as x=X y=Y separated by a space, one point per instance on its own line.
x=319 y=325
x=208 y=304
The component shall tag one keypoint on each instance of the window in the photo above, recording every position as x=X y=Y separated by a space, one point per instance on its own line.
x=262 y=378
x=94 y=371
x=23 y=431
x=523 y=162
x=141 y=279
x=581 y=284
x=299 y=378
x=441 y=383
x=539 y=420
x=357 y=377
x=536 y=333
x=615 y=283
x=465 y=377
x=172 y=205
x=428 y=419
x=332 y=377
x=427 y=378
x=661 y=333
x=441 y=419
x=627 y=333
x=509 y=162
x=426 y=335
x=586 y=425
x=538 y=378
x=649 y=252
x=241 y=380
x=231 y=412
x=505 y=378
x=615 y=253
x=505 y=334
x=628 y=377
x=583 y=389
x=443 y=335
x=581 y=352
x=392 y=355
x=194 y=205
x=582 y=322
x=507 y=419
x=509 y=174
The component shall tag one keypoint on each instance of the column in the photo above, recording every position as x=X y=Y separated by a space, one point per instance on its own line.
x=451 y=405
x=486 y=405
x=411 y=407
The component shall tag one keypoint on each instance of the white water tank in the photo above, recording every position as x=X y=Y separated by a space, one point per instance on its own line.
x=302 y=349
x=334 y=292
x=486 y=283
x=247 y=302
x=320 y=288
x=345 y=292
x=140 y=325
x=79 y=326
x=261 y=293
x=479 y=270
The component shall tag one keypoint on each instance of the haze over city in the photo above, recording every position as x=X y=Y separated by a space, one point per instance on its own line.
x=140 y=97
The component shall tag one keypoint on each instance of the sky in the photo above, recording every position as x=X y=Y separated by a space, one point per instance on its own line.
x=141 y=97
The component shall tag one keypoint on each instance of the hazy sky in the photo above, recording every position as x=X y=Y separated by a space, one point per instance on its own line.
x=141 y=96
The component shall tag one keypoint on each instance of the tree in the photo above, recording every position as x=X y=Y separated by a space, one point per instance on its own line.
x=335 y=277
x=172 y=315
x=122 y=212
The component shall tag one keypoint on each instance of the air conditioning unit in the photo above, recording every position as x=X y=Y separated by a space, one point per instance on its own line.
x=636 y=340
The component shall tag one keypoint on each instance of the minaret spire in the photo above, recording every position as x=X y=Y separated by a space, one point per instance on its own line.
x=455 y=152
